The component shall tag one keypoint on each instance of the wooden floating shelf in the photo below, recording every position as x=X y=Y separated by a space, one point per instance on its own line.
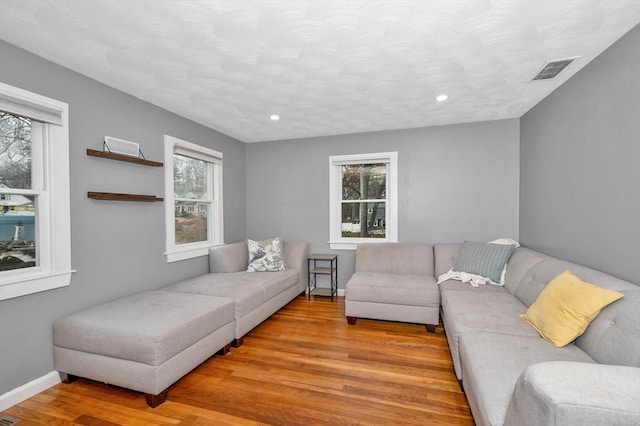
x=111 y=196
x=120 y=157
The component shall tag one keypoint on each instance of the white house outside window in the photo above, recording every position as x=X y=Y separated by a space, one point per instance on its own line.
x=35 y=237
x=363 y=199
x=193 y=199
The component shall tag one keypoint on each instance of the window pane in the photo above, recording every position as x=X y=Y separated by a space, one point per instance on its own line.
x=364 y=181
x=17 y=232
x=191 y=222
x=15 y=151
x=363 y=220
x=189 y=177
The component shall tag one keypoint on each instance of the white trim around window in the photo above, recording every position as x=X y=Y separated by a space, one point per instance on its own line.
x=212 y=199
x=336 y=239
x=50 y=174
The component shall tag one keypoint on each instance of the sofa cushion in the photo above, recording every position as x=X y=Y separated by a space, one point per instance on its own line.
x=265 y=256
x=249 y=289
x=615 y=327
x=541 y=273
x=395 y=258
x=575 y=394
x=148 y=327
x=492 y=363
x=486 y=308
x=445 y=256
x=566 y=306
x=614 y=336
x=397 y=289
x=231 y=257
x=521 y=260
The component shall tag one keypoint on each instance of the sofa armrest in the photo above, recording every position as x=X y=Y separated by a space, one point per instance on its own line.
x=232 y=257
x=574 y=393
x=295 y=257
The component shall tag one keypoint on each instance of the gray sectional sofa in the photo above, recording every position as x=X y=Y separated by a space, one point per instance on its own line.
x=148 y=341
x=511 y=376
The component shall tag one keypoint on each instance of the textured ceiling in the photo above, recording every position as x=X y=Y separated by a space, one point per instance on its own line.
x=326 y=67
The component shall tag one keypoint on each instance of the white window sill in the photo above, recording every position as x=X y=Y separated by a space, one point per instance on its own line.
x=34 y=283
x=188 y=253
x=352 y=245
x=342 y=246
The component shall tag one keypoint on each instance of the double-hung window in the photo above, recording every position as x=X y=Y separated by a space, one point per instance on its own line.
x=363 y=199
x=193 y=199
x=35 y=236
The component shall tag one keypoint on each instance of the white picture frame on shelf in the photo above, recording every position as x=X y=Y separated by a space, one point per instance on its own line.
x=121 y=146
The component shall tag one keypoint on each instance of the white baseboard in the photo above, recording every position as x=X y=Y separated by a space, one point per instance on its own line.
x=27 y=390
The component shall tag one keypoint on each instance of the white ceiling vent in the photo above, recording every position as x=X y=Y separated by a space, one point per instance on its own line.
x=554 y=68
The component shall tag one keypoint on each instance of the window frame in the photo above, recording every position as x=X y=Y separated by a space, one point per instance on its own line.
x=336 y=240
x=215 y=217
x=50 y=185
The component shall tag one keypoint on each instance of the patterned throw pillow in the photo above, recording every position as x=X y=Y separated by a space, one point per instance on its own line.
x=265 y=256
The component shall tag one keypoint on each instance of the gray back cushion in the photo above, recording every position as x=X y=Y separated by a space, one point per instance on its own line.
x=232 y=257
x=445 y=256
x=613 y=337
x=520 y=262
x=537 y=277
x=295 y=257
x=395 y=258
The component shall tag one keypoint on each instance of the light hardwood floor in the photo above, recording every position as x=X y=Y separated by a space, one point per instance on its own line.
x=303 y=366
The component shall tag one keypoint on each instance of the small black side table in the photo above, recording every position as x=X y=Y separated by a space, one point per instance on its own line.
x=330 y=268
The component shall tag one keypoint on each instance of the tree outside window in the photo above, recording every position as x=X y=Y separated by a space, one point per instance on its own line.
x=363 y=199
x=190 y=177
x=17 y=211
x=193 y=199
x=35 y=229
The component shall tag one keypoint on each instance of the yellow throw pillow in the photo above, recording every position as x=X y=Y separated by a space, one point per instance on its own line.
x=566 y=306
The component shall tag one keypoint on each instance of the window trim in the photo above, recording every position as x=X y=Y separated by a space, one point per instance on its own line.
x=215 y=225
x=54 y=206
x=336 y=241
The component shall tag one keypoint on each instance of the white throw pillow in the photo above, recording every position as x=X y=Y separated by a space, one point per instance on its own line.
x=266 y=255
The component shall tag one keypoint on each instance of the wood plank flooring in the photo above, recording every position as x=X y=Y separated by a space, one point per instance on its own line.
x=303 y=366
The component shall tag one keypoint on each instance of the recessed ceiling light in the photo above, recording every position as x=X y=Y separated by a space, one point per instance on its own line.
x=442 y=98
x=274 y=117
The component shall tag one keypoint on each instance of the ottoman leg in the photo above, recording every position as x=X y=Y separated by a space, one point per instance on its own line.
x=431 y=328
x=238 y=342
x=352 y=320
x=154 y=400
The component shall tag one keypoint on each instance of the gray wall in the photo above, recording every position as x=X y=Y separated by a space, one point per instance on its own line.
x=117 y=247
x=455 y=182
x=580 y=165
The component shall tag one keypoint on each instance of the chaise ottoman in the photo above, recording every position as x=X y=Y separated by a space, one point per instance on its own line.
x=144 y=342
